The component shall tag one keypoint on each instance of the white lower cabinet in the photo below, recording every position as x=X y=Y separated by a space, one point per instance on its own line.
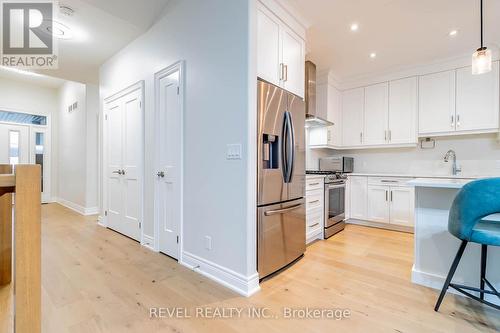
x=378 y=204
x=315 y=208
x=358 y=190
x=402 y=205
x=382 y=200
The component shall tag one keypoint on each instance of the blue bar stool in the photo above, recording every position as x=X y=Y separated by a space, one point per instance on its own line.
x=472 y=204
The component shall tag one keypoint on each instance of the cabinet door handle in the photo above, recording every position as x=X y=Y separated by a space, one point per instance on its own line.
x=458 y=120
x=385 y=136
x=312 y=202
x=452 y=121
x=286 y=72
x=281 y=71
x=361 y=137
x=386 y=196
x=314 y=225
x=391 y=196
x=313 y=184
x=390 y=135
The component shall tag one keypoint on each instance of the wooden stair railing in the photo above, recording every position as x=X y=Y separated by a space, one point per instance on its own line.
x=26 y=246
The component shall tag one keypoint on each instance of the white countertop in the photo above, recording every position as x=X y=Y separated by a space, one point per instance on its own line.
x=395 y=175
x=439 y=182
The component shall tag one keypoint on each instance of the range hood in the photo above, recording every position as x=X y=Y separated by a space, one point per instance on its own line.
x=312 y=118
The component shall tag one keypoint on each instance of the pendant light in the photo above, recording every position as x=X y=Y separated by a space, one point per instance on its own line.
x=481 y=59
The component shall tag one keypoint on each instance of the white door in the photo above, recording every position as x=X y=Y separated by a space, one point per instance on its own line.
x=358 y=197
x=268 y=46
x=376 y=114
x=437 y=103
x=124 y=164
x=403 y=111
x=402 y=205
x=293 y=61
x=477 y=99
x=378 y=203
x=14 y=144
x=352 y=117
x=168 y=199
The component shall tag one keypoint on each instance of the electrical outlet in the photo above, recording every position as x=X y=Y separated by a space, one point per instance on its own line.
x=233 y=152
x=208 y=243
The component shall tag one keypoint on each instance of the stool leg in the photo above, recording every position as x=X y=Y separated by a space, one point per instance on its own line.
x=484 y=254
x=450 y=274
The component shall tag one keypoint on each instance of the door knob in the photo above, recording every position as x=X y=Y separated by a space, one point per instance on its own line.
x=118 y=172
x=161 y=174
x=123 y=173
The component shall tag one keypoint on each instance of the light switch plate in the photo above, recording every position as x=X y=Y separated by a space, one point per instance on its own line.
x=208 y=243
x=233 y=152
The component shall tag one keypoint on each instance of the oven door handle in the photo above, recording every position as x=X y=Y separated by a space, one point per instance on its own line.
x=284 y=210
x=331 y=187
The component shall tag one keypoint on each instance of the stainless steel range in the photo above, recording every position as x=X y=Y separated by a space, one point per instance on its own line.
x=334 y=204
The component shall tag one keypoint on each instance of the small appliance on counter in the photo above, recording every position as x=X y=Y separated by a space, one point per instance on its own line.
x=335 y=184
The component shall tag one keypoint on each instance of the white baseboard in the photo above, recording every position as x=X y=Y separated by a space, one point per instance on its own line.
x=148 y=242
x=243 y=285
x=378 y=225
x=86 y=211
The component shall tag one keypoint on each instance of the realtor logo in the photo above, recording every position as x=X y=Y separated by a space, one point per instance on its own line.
x=27 y=38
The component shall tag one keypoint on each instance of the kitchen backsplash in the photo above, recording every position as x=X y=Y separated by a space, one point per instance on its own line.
x=478 y=155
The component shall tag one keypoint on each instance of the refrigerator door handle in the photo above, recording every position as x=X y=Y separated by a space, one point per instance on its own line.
x=284 y=210
x=284 y=148
x=291 y=159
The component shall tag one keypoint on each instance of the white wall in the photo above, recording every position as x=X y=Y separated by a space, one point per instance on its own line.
x=92 y=142
x=211 y=36
x=71 y=141
x=22 y=96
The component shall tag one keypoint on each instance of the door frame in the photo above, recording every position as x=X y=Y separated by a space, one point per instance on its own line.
x=180 y=67
x=106 y=102
x=47 y=195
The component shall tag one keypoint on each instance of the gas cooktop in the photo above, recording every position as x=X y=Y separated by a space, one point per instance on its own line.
x=317 y=172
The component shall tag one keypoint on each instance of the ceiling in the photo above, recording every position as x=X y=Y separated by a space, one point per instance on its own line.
x=101 y=29
x=402 y=33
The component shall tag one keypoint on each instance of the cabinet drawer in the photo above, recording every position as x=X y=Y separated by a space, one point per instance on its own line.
x=315 y=184
x=315 y=201
x=388 y=181
x=314 y=220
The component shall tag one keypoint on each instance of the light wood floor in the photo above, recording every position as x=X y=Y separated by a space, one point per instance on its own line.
x=95 y=280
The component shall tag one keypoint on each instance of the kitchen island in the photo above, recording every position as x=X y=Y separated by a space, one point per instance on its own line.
x=435 y=247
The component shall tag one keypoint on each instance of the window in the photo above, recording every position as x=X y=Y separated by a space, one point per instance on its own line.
x=14 y=147
x=39 y=151
x=22 y=118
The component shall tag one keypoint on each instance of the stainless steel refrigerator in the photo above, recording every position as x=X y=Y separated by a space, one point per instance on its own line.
x=281 y=226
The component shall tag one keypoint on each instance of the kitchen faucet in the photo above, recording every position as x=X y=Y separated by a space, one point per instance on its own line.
x=451 y=154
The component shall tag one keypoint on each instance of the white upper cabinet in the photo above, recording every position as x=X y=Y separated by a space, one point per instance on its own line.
x=280 y=53
x=293 y=62
x=403 y=111
x=268 y=55
x=437 y=103
x=353 y=103
x=477 y=100
x=376 y=114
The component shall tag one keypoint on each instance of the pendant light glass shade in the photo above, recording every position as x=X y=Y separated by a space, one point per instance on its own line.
x=481 y=61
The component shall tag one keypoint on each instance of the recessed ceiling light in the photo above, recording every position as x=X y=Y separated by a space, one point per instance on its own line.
x=373 y=55
x=60 y=30
x=354 y=27
x=453 y=33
